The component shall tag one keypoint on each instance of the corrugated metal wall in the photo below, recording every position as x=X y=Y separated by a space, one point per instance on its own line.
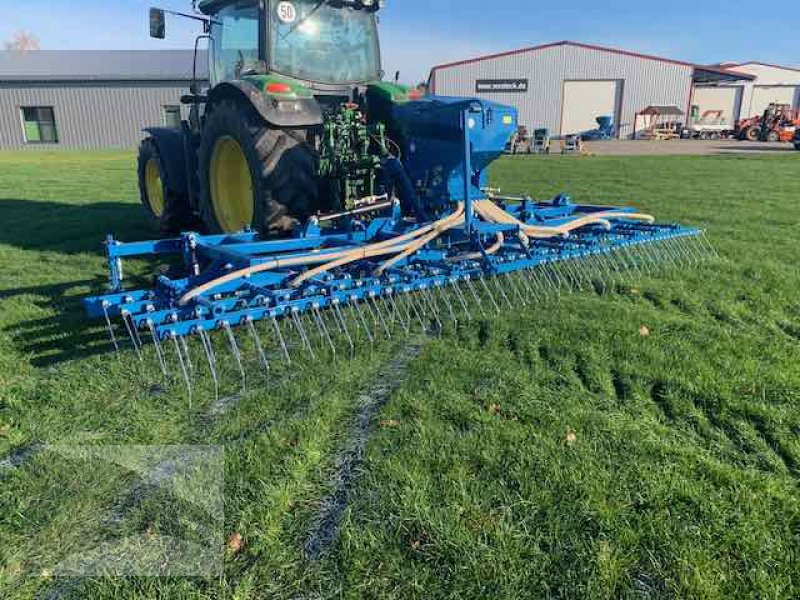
x=89 y=115
x=645 y=82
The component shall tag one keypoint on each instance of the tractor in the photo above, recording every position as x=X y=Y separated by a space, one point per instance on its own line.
x=292 y=126
x=308 y=195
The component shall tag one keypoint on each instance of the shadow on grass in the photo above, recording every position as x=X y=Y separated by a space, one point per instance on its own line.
x=41 y=225
x=67 y=335
x=69 y=228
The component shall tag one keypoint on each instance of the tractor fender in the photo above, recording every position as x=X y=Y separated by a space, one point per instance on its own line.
x=278 y=112
x=170 y=143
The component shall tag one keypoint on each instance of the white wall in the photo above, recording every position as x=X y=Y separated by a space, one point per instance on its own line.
x=645 y=81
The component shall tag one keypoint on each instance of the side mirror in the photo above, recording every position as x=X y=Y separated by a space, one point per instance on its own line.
x=158 y=24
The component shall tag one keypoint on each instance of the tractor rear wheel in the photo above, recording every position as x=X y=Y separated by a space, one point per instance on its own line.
x=252 y=175
x=773 y=136
x=168 y=210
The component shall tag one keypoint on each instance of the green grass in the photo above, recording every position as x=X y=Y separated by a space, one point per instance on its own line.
x=682 y=481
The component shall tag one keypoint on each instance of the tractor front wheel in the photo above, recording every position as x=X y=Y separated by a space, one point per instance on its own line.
x=252 y=175
x=167 y=210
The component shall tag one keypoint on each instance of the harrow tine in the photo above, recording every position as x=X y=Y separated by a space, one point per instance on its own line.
x=339 y=318
x=403 y=305
x=444 y=298
x=501 y=291
x=413 y=304
x=211 y=357
x=324 y=329
x=184 y=370
x=134 y=337
x=399 y=313
x=281 y=340
x=302 y=332
x=189 y=361
x=159 y=351
x=381 y=318
x=235 y=352
x=512 y=283
x=110 y=328
x=482 y=279
x=363 y=321
x=475 y=295
x=426 y=297
x=262 y=356
x=462 y=300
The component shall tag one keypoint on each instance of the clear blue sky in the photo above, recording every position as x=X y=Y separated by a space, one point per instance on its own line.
x=420 y=33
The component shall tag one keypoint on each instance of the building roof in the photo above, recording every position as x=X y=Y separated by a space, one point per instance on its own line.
x=763 y=64
x=697 y=67
x=100 y=65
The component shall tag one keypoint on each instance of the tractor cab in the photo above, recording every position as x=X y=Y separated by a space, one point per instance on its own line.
x=326 y=45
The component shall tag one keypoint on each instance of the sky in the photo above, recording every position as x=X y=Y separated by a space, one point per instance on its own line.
x=417 y=34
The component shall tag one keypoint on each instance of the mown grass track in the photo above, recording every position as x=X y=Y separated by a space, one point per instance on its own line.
x=552 y=452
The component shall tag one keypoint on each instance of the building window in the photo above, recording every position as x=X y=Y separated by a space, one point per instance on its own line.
x=39 y=125
x=172 y=116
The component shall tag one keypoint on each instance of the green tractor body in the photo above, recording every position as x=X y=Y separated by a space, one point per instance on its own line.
x=292 y=126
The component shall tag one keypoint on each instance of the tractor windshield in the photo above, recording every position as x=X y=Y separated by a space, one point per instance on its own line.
x=314 y=41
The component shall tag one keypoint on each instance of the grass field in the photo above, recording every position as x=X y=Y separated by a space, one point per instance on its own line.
x=553 y=453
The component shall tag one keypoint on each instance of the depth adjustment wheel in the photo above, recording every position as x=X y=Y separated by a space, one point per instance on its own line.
x=252 y=175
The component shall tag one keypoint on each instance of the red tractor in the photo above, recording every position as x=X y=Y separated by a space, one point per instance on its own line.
x=778 y=124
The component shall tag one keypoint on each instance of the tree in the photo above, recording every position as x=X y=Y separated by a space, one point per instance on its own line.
x=22 y=41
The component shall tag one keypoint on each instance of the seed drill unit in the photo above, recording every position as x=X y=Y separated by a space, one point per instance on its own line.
x=317 y=206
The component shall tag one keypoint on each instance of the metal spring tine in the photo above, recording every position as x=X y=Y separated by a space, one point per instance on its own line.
x=184 y=371
x=372 y=316
x=462 y=300
x=606 y=278
x=482 y=279
x=411 y=297
x=302 y=332
x=425 y=296
x=339 y=317
x=237 y=355
x=513 y=283
x=533 y=287
x=110 y=328
x=398 y=311
x=129 y=327
x=189 y=361
x=639 y=259
x=696 y=245
x=262 y=356
x=475 y=295
x=550 y=277
x=690 y=248
x=381 y=318
x=526 y=286
x=499 y=287
x=281 y=340
x=159 y=351
x=714 y=254
x=443 y=295
x=211 y=358
x=363 y=321
x=324 y=327
x=403 y=305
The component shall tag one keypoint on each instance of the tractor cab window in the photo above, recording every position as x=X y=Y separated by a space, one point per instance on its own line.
x=234 y=46
x=315 y=41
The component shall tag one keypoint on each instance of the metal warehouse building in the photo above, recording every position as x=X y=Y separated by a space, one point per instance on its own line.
x=772 y=83
x=564 y=86
x=90 y=99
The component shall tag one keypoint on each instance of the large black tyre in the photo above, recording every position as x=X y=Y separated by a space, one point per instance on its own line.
x=752 y=134
x=281 y=166
x=167 y=210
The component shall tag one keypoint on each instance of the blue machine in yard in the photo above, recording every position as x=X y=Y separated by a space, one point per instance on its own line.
x=415 y=237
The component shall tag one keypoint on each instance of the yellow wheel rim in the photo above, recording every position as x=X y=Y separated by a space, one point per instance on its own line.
x=231 y=186
x=153 y=187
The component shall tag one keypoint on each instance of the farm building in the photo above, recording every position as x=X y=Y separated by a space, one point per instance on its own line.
x=90 y=99
x=771 y=84
x=565 y=86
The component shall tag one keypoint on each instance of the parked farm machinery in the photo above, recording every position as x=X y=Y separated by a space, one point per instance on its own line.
x=778 y=123
x=403 y=231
